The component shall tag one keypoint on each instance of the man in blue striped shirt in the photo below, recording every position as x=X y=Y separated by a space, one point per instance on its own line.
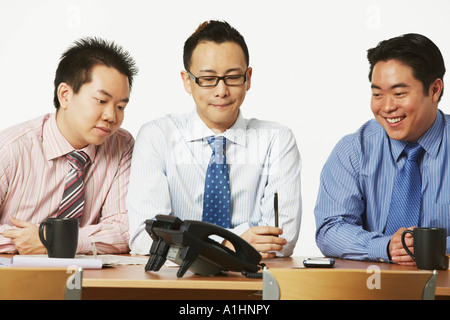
x=356 y=184
x=171 y=154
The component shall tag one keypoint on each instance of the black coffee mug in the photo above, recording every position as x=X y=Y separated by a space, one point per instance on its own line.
x=429 y=247
x=61 y=237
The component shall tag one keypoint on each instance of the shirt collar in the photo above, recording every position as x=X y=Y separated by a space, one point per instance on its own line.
x=55 y=145
x=430 y=140
x=197 y=129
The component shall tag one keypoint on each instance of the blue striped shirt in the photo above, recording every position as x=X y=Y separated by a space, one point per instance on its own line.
x=169 y=164
x=356 y=186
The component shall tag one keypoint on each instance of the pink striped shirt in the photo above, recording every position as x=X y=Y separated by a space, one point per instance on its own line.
x=33 y=169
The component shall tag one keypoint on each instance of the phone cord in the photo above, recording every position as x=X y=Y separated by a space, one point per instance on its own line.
x=254 y=275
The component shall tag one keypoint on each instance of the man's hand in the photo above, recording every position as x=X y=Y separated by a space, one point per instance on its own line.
x=25 y=237
x=397 y=252
x=264 y=239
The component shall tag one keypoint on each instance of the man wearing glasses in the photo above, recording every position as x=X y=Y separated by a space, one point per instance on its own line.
x=212 y=164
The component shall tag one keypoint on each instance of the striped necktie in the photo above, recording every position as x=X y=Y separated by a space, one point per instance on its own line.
x=216 y=198
x=72 y=203
x=407 y=193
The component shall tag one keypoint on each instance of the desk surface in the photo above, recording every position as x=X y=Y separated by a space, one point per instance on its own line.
x=134 y=276
x=135 y=282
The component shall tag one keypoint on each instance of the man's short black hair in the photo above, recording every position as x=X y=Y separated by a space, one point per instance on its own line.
x=77 y=62
x=215 y=31
x=415 y=51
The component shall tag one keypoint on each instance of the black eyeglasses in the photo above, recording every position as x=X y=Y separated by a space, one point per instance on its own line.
x=212 y=81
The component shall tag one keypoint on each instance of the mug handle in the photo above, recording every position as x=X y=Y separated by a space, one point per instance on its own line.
x=41 y=236
x=404 y=244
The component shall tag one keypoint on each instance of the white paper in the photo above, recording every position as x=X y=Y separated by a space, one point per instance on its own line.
x=116 y=260
x=46 y=262
x=5 y=262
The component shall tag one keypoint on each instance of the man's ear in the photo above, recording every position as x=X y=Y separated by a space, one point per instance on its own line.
x=187 y=81
x=436 y=88
x=64 y=94
x=249 y=78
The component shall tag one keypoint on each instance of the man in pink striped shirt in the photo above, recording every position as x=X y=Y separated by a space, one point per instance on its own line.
x=92 y=87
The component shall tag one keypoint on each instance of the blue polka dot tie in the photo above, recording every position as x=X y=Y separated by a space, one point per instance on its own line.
x=407 y=193
x=216 y=199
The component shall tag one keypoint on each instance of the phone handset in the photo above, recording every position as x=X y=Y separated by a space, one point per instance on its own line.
x=242 y=248
x=188 y=243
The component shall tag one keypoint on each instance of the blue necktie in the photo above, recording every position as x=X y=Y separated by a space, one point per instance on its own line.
x=216 y=199
x=407 y=193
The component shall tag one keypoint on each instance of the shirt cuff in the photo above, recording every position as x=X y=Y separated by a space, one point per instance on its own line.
x=378 y=249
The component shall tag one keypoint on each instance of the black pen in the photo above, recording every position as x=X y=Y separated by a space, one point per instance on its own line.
x=275 y=207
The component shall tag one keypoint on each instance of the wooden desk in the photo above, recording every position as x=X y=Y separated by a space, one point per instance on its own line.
x=132 y=282
x=443 y=278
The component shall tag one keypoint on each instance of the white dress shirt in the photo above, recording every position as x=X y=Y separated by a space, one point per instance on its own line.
x=168 y=170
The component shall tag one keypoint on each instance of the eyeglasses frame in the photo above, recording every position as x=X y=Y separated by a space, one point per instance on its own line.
x=196 y=79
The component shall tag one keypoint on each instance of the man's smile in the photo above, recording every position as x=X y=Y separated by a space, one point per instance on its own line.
x=395 y=120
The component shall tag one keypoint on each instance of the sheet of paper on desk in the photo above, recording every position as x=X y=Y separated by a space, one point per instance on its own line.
x=43 y=261
x=84 y=261
x=5 y=262
x=115 y=260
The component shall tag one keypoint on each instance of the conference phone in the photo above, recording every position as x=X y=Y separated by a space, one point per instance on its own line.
x=188 y=244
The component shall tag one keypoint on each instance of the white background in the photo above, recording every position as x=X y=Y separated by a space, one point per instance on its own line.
x=308 y=58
